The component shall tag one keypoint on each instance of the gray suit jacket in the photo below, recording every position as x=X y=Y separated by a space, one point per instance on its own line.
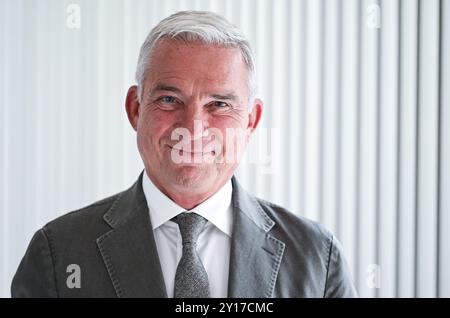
x=273 y=253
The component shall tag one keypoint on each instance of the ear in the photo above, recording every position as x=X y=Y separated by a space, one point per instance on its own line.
x=132 y=106
x=255 y=116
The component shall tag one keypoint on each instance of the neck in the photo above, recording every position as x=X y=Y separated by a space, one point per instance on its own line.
x=190 y=202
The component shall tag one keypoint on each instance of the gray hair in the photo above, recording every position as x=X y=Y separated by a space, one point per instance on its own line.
x=189 y=26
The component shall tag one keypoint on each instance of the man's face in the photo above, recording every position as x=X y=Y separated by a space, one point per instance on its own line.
x=200 y=90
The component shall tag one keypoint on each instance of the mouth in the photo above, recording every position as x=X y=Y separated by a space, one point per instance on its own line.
x=192 y=153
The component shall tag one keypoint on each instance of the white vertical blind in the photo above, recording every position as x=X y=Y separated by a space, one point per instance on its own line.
x=355 y=132
x=405 y=267
x=427 y=148
x=367 y=153
x=443 y=275
x=387 y=145
x=347 y=127
x=330 y=113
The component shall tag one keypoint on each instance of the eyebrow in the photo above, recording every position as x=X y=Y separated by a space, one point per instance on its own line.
x=228 y=96
x=169 y=88
x=164 y=87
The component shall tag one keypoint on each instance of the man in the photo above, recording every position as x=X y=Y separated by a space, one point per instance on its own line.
x=186 y=228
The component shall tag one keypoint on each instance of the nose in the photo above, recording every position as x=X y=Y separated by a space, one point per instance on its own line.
x=195 y=120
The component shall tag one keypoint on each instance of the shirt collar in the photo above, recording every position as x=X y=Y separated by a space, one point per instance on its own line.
x=216 y=209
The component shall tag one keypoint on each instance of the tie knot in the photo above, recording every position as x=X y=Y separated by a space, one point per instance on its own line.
x=191 y=225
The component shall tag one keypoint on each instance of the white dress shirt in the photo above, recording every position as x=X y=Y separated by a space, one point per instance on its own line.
x=213 y=245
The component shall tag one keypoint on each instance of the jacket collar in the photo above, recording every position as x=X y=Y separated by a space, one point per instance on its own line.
x=127 y=205
x=129 y=249
x=131 y=257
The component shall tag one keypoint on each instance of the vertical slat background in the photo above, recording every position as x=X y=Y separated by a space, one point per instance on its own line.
x=427 y=149
x=347 y=123
x=407 y=174
x=368 y=121
x=355 y=132
x=443 y=274
x=388 y=110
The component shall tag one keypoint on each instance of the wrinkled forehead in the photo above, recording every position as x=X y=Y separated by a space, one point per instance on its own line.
x=197 y=61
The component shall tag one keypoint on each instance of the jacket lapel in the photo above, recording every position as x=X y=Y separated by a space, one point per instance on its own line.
x=255 y=254
x=129 y=250
x=131 y=258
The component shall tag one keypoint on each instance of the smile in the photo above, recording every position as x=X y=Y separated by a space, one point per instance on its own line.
x=181 y=151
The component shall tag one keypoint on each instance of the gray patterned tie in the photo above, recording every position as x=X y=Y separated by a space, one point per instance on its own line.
x=191 y=279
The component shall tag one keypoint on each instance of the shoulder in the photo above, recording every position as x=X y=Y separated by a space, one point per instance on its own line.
x=308 y=244
x=86 y=222
x=68 y=239
x=292 y=225
x=90 y=211
x=314 y=257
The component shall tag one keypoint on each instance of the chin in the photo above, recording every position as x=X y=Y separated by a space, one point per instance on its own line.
x=192 y=176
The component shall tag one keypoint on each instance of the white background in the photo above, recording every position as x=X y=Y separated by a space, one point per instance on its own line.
x=357 y=107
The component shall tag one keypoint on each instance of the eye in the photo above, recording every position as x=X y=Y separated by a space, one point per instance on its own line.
x=219 y=104
x=168 y=99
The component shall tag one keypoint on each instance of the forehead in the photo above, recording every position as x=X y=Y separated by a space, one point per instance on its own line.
x=196 y=61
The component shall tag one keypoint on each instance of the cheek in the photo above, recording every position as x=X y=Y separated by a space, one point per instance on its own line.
x=154 y=125
x=227 y=122
x=233 y=133
x=152 y=128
